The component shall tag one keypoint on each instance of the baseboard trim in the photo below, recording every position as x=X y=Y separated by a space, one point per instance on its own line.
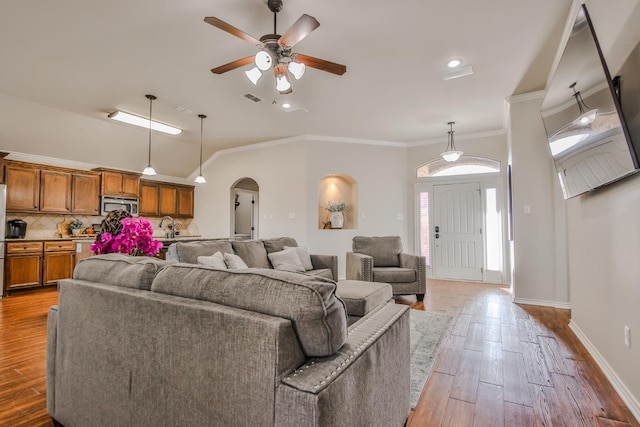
x=544 y=303
x=626 y=395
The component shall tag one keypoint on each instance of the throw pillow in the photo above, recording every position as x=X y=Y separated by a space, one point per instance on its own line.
x=286 y=260
x=216 y=261
x=234 y=262
x=303 y=254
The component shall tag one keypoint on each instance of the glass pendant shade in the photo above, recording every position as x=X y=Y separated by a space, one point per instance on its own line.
x=296 y=69
x=253 y=75
x=149 y=171
x=282 y=84
x=200 y=180
x=263 y=60
x=451 y=156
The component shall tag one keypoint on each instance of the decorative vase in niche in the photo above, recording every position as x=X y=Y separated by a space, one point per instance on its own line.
x=75 y=231
x=337 y=220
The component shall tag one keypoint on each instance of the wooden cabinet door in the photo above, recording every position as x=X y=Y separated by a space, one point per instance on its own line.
x=168 y=203
x=85 y=194
x=130 y=186
x=23 y=188
x=55 y=191
x=185 y=202
x=23 y=271
x=111 y=184
x=149 y=197
x=57 y=266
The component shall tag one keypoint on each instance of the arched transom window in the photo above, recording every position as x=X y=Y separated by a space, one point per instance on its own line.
x=465 y=165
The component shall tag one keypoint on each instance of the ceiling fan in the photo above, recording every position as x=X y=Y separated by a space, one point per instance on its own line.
x=275 y=51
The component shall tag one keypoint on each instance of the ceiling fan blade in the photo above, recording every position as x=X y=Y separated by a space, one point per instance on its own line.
x=232 y=65
x=299 y=30
x=320 y=64
x=232 y=30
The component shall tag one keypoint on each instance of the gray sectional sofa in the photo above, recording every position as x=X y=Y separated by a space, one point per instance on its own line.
x=136 y=341
x=255 y=253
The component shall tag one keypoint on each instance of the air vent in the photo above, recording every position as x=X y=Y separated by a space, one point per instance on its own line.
x=252 y=97
x=458 y=72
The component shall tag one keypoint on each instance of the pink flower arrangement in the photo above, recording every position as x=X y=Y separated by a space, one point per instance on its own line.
x=135 y=238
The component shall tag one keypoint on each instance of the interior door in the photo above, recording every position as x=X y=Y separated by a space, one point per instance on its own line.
x=457 y=232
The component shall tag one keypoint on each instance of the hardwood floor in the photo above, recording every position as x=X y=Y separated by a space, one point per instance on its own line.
x=500 y=365
x=508 y=365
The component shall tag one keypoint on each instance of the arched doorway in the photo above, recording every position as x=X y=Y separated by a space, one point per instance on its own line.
x=244 y=209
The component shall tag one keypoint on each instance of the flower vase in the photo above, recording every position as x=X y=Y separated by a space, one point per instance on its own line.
x=75 y=231
x=337 y=220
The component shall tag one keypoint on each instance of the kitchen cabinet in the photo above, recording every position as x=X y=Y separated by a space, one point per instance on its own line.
x=185 y=202
x=23 y=265
x=149 y=198
x=168 y=200
x=119 y=184
x=165 y=198
x=23 y=188
x=59 y=261
x=85 y=194
x=33 y=264
x=55 y=191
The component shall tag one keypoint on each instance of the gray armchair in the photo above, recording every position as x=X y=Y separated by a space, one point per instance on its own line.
x=380 y=259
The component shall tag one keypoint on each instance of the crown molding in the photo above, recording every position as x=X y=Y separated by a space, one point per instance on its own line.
x=465 y=137
x=524 y=97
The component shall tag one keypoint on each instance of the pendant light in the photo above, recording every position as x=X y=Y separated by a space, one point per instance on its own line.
x=587 y=116
x=149 y=170
x=451 y=154
x=200 y=178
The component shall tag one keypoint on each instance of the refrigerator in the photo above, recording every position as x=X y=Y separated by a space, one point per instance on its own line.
x=3 y=224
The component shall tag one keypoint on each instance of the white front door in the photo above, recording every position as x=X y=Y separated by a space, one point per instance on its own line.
x=457 y=232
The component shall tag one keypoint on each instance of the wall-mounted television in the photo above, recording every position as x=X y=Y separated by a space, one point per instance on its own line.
x=587 y=134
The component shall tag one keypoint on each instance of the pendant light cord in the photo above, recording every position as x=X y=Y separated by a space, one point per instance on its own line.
x=150 y=98
x=202 y=117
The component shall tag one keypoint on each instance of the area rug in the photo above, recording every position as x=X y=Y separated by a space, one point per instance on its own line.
x=427 y=333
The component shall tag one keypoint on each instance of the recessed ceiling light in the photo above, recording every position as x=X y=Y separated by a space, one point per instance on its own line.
x=286 y=105
x=454 y=63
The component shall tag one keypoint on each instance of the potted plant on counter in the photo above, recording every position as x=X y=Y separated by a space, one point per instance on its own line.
x=75 y=226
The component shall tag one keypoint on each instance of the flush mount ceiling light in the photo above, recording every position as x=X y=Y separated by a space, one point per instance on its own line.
x=132 y=119
x=149 y=170
x=451 y=154
x=454 y=63
x=275 y=51
x=200 y=179
x=587 y=115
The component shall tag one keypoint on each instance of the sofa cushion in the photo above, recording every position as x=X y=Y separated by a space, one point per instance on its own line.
x=252 y=253
x=318 y=316
x=362 y=297
x=303 y=254
x=234 y=262
x=216 y=261
x=394 y=275
x=385 y=251
x=190 y=251
x=321 y=272
x=117 y=269
x=287 y=260
x=277 y=244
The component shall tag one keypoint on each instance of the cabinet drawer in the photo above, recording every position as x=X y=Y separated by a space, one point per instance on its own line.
x=23 y=247
x=66 y=245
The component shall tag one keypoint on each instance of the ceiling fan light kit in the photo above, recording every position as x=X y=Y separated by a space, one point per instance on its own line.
x=275 y=51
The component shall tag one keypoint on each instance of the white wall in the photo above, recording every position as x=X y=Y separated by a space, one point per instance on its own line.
x=288 y=175
x=604 y=239
x=539 y=248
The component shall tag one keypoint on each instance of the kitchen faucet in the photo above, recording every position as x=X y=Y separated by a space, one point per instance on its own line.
x=171 y=226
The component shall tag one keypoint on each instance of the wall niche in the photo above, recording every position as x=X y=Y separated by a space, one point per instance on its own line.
x=337 y=188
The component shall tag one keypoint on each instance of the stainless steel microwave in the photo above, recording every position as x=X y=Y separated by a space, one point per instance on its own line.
x=110 y=203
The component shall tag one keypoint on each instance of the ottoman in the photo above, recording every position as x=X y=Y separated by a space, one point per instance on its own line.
x=362 y=297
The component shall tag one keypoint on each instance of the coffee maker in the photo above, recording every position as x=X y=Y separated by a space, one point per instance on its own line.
x=16 y=229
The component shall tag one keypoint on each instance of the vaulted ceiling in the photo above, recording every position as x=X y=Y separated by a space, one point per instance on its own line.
x=67 y=64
